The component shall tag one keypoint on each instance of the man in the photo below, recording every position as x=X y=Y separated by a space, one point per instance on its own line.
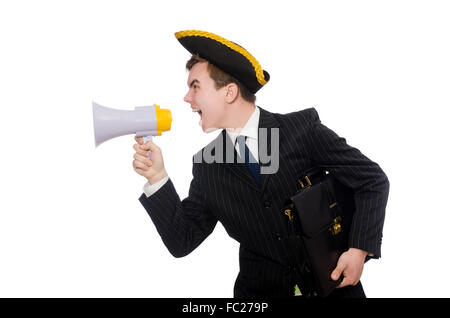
x=222 y=82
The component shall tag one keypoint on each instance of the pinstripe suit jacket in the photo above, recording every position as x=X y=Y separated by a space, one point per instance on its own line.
x=252 y=214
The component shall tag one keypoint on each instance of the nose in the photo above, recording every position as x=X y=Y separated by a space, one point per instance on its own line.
x=188 y=98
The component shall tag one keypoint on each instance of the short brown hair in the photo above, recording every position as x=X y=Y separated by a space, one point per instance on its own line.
x=220 y=78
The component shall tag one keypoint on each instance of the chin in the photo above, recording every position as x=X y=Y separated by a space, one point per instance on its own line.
x=209 y=129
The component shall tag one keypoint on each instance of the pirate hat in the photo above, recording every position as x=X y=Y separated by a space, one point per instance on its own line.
x=226 y=55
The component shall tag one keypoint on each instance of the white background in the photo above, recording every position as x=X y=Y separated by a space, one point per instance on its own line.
x=71 y=225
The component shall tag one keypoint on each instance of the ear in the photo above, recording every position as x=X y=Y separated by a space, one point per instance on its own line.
x=231 y=92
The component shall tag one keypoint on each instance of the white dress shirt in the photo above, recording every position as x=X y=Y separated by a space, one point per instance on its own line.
x=250 y=130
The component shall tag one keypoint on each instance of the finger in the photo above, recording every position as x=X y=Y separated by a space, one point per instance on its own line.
x=140 y=140
x=337 y=271
x=143 y=159
x=139 y=171
x=139 y=165
x=150 y=145
x=140 y=151
x=343 y=283
x=348 y=280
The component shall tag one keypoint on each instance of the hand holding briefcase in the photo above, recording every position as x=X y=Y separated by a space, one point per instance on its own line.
x=319 y=216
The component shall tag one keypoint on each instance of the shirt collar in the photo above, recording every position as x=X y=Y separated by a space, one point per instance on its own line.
x=250 y=129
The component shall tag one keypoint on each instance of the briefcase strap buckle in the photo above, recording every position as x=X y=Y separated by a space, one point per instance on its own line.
x=288 y=212
x=307 y=181
x=336 y=227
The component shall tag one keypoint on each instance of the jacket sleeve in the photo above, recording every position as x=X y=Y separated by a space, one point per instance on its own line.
x=365 y=177
x=182 y=225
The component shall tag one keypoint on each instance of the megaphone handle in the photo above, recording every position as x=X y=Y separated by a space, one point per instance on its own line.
x=147 y=138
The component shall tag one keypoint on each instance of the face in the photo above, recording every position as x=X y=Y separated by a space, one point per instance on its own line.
x=205 y=99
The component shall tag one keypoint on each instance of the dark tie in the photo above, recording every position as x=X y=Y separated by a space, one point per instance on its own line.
x=250 y=161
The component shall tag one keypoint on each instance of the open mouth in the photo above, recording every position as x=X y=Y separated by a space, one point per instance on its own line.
x=200 y=114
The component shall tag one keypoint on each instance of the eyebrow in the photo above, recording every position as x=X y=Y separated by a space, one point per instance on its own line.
x=193 y=82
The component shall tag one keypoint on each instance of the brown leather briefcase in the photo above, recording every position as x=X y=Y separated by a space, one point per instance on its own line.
x=319 y=218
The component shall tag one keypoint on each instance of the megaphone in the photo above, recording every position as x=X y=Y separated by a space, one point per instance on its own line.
x=144 y=121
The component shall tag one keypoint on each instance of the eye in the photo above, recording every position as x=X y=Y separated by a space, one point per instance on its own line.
x=195 y=86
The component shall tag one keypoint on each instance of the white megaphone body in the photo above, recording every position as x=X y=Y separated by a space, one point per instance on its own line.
x=143 y=121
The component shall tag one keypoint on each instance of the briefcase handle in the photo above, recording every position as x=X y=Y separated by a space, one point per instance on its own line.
x=312 y=176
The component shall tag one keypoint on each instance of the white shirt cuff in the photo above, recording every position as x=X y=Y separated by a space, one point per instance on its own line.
x=150 y=189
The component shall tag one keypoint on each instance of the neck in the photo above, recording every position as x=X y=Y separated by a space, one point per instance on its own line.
x=238 y=116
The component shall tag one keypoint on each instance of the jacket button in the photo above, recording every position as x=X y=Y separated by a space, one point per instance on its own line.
x=278 y=236
x=267 y=204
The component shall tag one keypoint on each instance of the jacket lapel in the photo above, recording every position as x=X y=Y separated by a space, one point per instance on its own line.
x=266 y=121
